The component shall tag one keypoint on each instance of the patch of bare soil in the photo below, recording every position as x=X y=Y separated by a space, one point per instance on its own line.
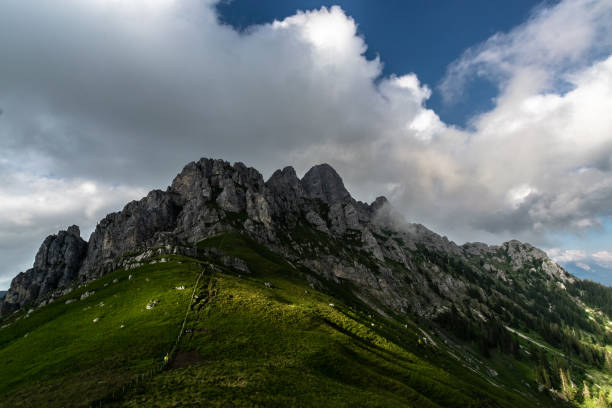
x=184 y=359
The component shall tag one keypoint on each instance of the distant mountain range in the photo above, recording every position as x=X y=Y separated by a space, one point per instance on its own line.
x=295 y=293
x=589 y=270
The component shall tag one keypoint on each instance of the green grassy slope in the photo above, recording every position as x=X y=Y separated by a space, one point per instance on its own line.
x=58 y=355
x=243 y=344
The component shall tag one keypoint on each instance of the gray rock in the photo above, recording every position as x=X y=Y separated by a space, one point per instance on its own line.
x=337 y=219
x=128 y=231
x=56 y=264
x=208 y=190
x=285 y=193
x=387 y=262
x=370 y=244
x=378 y=204
x=87 y=294
x=235 y=263
x=257 y=209
x=351 y=217
x=316 y=221
x=323 y=183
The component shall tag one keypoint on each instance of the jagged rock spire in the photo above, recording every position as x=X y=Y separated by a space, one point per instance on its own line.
x=57 y=263
x=324 y=183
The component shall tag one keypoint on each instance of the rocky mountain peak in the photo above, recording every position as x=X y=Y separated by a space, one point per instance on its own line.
x=306 y=220
x=379 y=203
x=284 y=191
x=284 y=178
x=194 y=180
x=74 y=230
x=61 y=253
x=57 y=263
x=522 y=253
x=324 y=183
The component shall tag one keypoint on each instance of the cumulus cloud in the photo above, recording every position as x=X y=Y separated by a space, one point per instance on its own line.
x=567 y=255
x=121 y=94
x=593 y=265
x=603 y=258
x=32 y=207
x=535 y=55
x=583 y=266
x=107 y=99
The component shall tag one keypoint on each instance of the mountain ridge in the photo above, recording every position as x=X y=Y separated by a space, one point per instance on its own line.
x=240 y=188
x=202 y=195
x=510 y=300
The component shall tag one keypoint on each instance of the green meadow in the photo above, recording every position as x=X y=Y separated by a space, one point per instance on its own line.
x=235 y=342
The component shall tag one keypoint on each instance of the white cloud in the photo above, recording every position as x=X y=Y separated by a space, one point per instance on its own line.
x=32 y=199
x=517 y=195
x=533 y=56
x=567 y=255
x=583 y=266
x=32 y=207
x=103 y=103
x=331 y=32
x=585 y=260
x=603 y=258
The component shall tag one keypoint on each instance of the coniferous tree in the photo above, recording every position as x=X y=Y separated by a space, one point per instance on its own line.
x=602 y=401
x=586 y=394
x=567 y=387
x=543 y=377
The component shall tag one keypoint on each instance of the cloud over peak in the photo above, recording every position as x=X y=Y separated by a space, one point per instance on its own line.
x=107 y=99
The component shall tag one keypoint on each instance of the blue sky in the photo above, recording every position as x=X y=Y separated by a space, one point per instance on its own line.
x=483 y=120
x=580 y=262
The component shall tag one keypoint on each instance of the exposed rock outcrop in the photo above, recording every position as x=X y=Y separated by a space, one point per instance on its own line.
x=210 y=196
x=132 y=229
x=323 y=183
x=56 y=264
x=285 y=194
x=313 y=221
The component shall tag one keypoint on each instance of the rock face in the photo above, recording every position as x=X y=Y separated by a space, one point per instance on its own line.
x=313 y=222
x=210 y=196
x=56 y=264
x=285 y=193
x=127 y=231
x=323 y=183
x=208 y=190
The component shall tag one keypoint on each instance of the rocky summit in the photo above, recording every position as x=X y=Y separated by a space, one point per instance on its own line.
x=201 y=202
x=56 y=265
x=212 y=196
x=280 y=271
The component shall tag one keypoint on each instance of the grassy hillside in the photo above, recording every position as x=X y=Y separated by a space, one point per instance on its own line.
x=57 y=355
x=239 y=342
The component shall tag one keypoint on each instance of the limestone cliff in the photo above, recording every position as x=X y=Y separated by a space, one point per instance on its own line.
x=312 y=221
x=57 y=264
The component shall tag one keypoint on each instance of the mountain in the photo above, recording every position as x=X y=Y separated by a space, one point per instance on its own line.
x=590 y=270
x=56 y=265
x=233 y=290
x=2 y=293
